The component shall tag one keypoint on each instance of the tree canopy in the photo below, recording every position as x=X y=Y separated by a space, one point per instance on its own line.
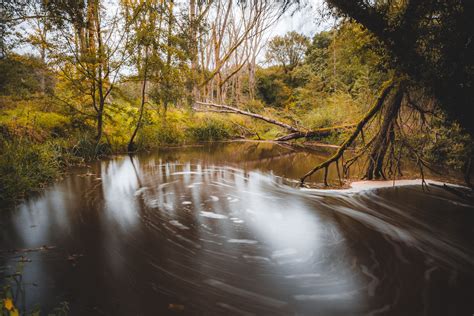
x=431 y=41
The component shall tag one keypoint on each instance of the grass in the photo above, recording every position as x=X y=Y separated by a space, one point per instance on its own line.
x=38 y=142
x=27 y=167
x=38 y=145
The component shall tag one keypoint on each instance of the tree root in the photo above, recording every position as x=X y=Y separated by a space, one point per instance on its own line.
x=387 y=87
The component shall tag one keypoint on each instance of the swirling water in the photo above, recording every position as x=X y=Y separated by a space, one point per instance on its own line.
x=220 y=229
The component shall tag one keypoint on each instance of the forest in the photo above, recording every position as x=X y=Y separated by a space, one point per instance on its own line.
x=242 y=157
x=94 y=79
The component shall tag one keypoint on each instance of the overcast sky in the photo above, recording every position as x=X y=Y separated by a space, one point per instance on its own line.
x=306 y=20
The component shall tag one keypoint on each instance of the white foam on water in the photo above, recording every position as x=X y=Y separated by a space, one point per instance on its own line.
x=140 y=191
x=284 y=253
x=177 y=224
x=360 y=186
x=236 y=220
x=212 y=215
x=256 y=258
x=194 y=184
x=242 y=241
x=303 y=276
x=325 y=297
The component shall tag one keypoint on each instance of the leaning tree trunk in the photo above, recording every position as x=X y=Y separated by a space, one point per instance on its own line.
x=131 y=144
x=385 y=136
x=378 y=105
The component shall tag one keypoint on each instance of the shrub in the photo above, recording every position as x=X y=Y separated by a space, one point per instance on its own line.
x=168 y=134
x=209 y=129
x=26 y=167
x=446 y=144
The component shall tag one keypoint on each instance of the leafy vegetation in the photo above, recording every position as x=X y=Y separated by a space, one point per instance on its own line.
x=95 y=83
x=13 y=295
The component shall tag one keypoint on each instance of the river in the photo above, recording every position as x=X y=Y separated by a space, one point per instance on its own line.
x=224 y=229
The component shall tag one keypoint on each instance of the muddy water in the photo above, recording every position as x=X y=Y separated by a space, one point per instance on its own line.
x=218 y=230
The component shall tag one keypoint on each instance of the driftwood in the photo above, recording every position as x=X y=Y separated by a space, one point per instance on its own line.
x=296 y=133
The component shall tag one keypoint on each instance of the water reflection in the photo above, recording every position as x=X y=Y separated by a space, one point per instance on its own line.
x=216 y=230
x=119 y=184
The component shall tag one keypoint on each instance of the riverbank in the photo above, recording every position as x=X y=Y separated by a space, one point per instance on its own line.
x=27 y=167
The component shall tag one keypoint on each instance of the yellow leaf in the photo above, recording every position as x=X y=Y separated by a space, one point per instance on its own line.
x=14 y=312
x=8 y=303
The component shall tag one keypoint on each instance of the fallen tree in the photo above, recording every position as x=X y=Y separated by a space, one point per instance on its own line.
x=383 y=134
x=321 y=132
x=296 y=133
x=246 y=113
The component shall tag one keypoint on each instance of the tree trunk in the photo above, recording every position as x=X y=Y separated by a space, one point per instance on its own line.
x=99 y=127
x=467 y=171
x=192 y=89
x=131 y=146
x=384 y=138
x=387 y=87
x=254 y=115
x=320 y=132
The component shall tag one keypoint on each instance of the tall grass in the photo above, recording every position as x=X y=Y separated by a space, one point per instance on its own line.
x=209 y=129
x=27 y=167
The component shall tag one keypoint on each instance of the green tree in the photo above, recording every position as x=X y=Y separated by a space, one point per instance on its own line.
x=287 y=51
x=430 y=40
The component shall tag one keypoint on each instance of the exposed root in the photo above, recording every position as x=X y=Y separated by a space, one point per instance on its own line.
x=384 y=138
x=368 y=116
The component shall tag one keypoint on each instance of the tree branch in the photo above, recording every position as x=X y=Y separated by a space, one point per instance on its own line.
x=368 y=116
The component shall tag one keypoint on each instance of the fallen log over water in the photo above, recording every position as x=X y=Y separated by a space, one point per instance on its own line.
x=247 y=113
x=321 y=132
x=296 y=133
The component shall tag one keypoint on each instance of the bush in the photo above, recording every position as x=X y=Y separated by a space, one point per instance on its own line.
x=27 y=167
x=168 y=134
x=271 y=87
x=209 y=129
x=27 y=121
x=254 y=106
x=446 y=145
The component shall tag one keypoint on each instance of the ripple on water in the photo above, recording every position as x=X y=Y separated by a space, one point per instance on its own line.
x=158 y=228
x=212 y=215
